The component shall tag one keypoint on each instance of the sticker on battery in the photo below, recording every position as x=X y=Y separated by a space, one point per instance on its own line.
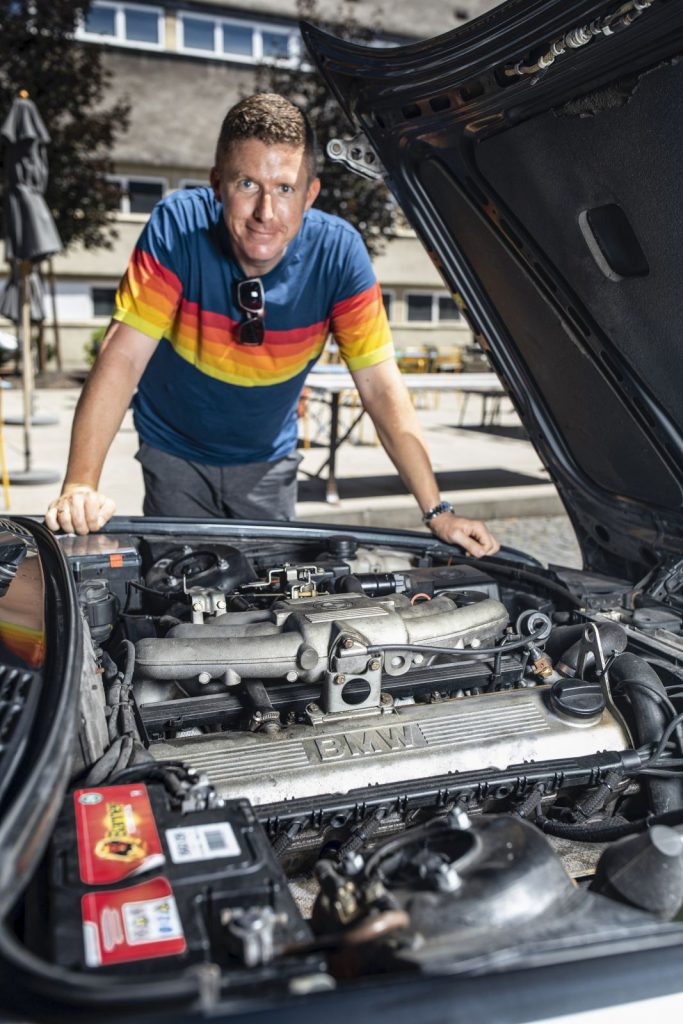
x=137 y=923
x=117 y=834
x=202 y=842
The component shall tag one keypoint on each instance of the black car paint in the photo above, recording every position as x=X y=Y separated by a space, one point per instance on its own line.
x=430 y=110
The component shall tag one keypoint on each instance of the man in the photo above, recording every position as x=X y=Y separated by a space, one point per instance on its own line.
x=226 y=304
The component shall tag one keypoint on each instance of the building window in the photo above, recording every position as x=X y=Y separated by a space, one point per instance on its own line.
x=238 y=39
x=141 y=26
x=275 y=45
x=199 y=34
x=140 y=195
x=419 y=307
x=101 y=21
x=431 y=307
x=125 y=24
x=247 y=41
x=447 y=309
x=102 y=301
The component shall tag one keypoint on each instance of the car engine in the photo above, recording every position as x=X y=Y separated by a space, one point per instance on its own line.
x=285 y=681
x=306 y=756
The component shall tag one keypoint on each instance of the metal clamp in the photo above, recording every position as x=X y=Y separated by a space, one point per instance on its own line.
x=358 y=155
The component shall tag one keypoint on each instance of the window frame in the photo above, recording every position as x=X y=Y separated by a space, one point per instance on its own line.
x=257 y=27
x=92 y=288
x=435 y=319
x=123 y=181
x=119 y=37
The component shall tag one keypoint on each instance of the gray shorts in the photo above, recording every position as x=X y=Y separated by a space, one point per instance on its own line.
x=257 y=490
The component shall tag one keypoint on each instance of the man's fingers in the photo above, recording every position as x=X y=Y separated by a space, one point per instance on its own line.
x=76 y=506
x=470 y=544
x=470 y=534
x=81 y=512
x=106 y=511
x=51 y=517
x=91 y=510
x=64 y=520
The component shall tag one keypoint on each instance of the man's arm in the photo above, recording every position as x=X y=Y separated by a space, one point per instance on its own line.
x=385 y=397
x=123 y=356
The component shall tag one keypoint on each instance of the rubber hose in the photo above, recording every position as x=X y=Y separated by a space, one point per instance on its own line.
x=649 y=720
x=612 y=637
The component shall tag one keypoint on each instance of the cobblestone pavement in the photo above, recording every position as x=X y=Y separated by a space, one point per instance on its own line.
x=547 y=538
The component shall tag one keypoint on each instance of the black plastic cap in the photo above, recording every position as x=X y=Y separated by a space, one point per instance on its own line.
x=577 y=698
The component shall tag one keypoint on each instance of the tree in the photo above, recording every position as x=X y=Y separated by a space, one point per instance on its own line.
x=67 y=81
x=367 y=205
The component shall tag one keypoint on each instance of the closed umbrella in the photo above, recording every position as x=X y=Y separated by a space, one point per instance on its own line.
x=10 y=296
x=30 y=236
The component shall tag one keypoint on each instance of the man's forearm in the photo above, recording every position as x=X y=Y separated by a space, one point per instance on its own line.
x=99 y=413
x=385 y=398
x=405 y=446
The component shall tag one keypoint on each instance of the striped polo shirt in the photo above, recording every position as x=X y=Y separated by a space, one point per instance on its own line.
x=206 y=398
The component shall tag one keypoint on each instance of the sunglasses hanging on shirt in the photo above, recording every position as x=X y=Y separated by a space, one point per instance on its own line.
x=251 y=301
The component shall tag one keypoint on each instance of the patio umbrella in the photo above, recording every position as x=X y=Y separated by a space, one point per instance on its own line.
x=10 y=296
x=30 y=236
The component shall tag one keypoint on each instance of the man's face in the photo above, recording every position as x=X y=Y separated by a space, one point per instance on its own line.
x=265 y=192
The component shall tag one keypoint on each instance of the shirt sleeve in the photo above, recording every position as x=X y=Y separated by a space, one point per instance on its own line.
x=151 y=289
x=359 y=321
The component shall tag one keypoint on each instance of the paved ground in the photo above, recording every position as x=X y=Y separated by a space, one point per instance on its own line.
x=548 y=538
x=492 y=475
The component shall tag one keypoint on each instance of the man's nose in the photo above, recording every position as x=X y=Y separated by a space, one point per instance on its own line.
x=264 y=207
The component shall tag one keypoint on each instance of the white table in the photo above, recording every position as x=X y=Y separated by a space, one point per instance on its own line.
x=328 y=383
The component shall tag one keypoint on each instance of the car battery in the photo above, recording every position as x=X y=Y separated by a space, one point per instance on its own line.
x=115 y=559
x=138 y=886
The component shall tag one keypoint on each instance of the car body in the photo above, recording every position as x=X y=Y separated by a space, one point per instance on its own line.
x=259 y=768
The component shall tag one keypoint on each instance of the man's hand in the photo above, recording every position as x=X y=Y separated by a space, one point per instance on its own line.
x=79 y=509
x=470 y=534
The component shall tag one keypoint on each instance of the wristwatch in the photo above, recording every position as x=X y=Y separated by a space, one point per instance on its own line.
x=432 y=513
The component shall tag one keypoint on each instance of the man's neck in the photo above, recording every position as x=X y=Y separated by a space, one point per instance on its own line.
x=261 y=269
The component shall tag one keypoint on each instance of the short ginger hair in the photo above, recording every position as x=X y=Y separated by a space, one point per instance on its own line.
x=272 y=119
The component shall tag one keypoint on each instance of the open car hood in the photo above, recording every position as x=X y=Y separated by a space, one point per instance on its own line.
x=548 y=198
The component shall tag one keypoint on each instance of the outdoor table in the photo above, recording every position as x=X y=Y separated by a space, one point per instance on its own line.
x=329 y=383
x=491 y=394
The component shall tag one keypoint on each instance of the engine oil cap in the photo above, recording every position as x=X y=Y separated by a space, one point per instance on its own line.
x=577 y=698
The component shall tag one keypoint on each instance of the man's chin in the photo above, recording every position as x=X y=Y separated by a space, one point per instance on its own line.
x=262 y=258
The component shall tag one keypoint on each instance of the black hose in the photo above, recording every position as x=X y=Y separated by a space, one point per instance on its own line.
x=615 y=828
x=595 y=800
x=598 y=833
x=531 y=803
x=613 y=639
x=649 y=722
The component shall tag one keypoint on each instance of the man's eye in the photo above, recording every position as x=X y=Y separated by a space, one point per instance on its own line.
x=286 y=189
x=246 y=183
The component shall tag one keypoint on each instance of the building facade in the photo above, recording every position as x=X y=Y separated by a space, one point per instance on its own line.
x=181 y=64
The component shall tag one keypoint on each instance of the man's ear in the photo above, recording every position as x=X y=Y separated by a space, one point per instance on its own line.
x=215 y=182
x=313 y=192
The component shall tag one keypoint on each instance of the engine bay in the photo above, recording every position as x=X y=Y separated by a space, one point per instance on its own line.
x=332 y=758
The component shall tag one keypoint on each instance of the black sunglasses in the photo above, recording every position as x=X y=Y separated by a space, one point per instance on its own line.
x=251 y=301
